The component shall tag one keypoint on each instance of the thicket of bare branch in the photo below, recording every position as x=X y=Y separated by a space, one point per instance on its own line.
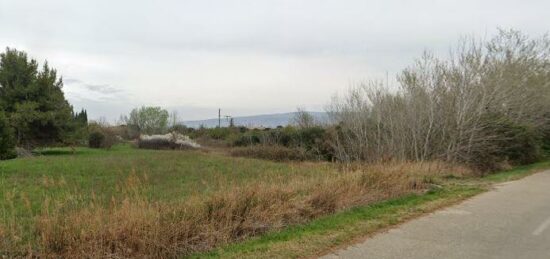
x=487 y=104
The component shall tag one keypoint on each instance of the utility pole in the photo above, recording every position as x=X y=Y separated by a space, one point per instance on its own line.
x=219 y=118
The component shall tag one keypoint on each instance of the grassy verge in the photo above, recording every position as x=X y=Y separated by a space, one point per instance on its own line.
x=327 y=233
x=517 y=173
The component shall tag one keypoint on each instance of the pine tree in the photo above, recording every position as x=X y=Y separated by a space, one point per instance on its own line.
x=33 y=100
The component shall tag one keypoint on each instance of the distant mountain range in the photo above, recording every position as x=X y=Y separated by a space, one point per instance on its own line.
x=265 y=120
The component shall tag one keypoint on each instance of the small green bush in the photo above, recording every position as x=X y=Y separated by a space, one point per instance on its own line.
x=219 y=133
x=96 y=139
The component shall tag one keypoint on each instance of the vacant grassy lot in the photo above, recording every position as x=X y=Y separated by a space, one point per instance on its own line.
x=164 y=175
x=26 y=185
x=127 y=202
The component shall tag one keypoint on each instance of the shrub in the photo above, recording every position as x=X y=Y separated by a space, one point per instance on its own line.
x=219 y=133
x=101 y=136
x=181 y=129
x=96 y=139
x=546 y=142
x=272 y=152
x=247 y=139
x=546 y=135
x=507 y=142
x=7 y=141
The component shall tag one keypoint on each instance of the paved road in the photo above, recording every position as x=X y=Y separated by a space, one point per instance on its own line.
x=512 y=221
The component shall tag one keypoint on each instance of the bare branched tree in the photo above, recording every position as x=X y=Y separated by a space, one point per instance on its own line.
x=469 y=108
x=303 y=119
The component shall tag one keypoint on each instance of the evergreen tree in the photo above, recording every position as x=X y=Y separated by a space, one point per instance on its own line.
x=81 y=118
x=33 y=100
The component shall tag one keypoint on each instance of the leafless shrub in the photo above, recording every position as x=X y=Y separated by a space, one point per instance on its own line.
x=468 y=108
x=303 y=119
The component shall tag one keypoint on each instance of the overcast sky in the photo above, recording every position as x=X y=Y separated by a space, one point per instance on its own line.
x=247 y=57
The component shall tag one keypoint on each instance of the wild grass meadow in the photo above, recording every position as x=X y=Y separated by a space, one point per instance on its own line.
x=132 y=202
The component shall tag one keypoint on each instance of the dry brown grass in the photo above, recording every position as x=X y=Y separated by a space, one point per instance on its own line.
x=136 y=227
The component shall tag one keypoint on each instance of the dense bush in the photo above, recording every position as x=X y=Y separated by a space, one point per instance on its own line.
x=546 y=142
x=181 y=129
x=546 y=134
x=507 y=142
x=313 y=141
x=96 y=139
x=7 y=141
x=247 y=139
x=101 y=136
x=272 y=152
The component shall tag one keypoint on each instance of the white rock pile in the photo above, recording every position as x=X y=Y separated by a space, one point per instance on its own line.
x=171 y=140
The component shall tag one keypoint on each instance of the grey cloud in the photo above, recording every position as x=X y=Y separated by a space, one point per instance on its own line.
x=104 y=89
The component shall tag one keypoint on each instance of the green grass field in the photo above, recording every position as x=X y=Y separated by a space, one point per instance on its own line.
x=100 y=174
x=72 y=181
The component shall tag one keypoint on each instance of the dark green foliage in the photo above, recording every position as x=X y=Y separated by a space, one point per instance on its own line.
x=312 y=142
x=7 y=141
x=102 y=136
x=96 y=139
x=247 y=139
x=76 y=132
x=508 y=142
x=181 y=129
x=33 y=101
x=272 y=152
x=219 y=133
x=546 y=142
x=81 y=118
x=546 y=135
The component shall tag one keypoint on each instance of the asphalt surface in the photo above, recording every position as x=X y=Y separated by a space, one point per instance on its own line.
x=512 y=221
